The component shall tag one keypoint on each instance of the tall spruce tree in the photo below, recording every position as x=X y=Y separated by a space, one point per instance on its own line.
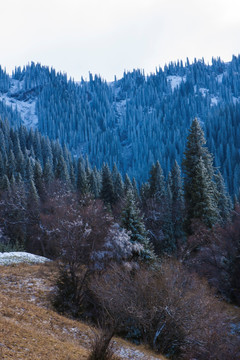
x=224 y=200
x=61 y=171
x=200 y=191
x=117 y=183
x=33 y=200
x=157 y=182
x=132 y=221
x=107 y=190
x=177 y=200
x=127 y=184
x=82 y=182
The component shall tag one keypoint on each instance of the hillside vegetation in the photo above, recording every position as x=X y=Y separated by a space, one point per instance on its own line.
x=31 y=330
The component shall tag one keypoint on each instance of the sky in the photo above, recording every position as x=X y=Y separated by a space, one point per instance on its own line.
x=108 y=37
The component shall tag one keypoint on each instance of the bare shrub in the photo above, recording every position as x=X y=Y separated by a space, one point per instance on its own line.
x=214 y=255
x=174 y=311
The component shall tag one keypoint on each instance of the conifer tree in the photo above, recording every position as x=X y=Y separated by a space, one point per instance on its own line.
x=5 y=184
x=132 y=221
x=82 y=183
x=38 y=179
x=177 y=200
x=119 y=187
x=176 y=185
x=32 y=198
x=144 y=192
x=127 y=184
x=107 y=190
x=224 y=200
x=157 y=182
x=199 y=188
x=93 y=185
x=29 y=169
x=61 y=171
x=117 y=183
x=11 y=164
x=72 y=175
x=47 y=173
x=135 y=189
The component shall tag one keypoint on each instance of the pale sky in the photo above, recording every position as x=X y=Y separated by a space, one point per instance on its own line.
x=107 y=37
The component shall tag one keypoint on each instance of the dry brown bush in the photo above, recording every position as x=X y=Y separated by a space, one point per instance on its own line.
x=175 y=311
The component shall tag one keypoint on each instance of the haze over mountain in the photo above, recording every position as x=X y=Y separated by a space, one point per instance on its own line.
x=136 y=120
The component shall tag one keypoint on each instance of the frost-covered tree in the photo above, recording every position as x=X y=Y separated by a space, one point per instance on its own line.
x=224 y=200
x=157 y=182
x=199 y=188
x=132 y=221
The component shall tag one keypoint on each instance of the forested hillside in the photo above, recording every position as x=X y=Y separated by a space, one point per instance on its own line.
x=136 y=120
x=117 y=184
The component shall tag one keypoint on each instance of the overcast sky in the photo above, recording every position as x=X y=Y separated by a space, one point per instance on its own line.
x=109 y=36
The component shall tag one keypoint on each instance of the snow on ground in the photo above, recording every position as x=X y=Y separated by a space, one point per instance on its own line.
x=175 y=81
x=15 y=86
x=129 y=353
x=214 y=100
x=27 y=109
x=8 y=258
x=203 y=91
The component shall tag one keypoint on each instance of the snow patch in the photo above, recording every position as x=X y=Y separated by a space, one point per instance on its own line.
x=214 y=100
x=15 y=86
x=128 y=353
x=26 y=109
x=8 y=258
x=203 y=91
x=236 y=100
x=175 y=81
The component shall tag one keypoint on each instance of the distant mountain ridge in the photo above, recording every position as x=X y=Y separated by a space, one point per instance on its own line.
x=136 y=120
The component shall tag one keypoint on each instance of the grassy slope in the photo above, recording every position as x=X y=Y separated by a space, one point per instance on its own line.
x=31 y=330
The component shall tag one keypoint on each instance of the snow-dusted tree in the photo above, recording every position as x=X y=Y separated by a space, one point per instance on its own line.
x=117 y=247
x=199 y=188
x=38 y=179
x=224 y=200
x=47 y=173
x=33 y=198
x=117 y=183
x=132 y=221
x=93 y=184
x=177 y=200
x=61 y=171
x=127 y=184
x=157 y=182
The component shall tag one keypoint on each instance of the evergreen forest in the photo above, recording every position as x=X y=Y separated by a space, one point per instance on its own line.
x=134 y=121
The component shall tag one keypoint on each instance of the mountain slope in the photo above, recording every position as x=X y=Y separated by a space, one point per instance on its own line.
x=31 y=330
x=136 y=120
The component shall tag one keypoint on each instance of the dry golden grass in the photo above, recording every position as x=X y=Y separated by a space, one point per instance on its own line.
x=30 y=329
